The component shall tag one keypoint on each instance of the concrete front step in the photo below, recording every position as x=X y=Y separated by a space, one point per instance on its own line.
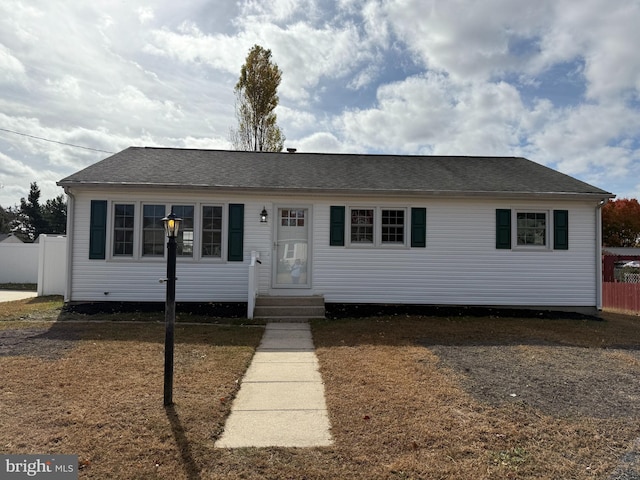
x=275 y=320
x=289 y=308
x=289 y=311
x=315 y=300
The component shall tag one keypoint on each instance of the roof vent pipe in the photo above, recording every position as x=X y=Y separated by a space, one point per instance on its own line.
x=292 y=150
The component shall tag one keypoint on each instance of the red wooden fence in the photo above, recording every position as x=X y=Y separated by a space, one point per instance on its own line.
x=623 y=297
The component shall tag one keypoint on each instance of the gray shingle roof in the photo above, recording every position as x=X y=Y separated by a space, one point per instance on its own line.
x=400 y=174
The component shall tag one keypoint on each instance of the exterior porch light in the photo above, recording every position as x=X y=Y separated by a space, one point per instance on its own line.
x=171 y=228
x=263 y=215
x=171 y=225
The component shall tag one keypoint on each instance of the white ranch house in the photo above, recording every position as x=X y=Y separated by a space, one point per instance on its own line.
x=351 y=229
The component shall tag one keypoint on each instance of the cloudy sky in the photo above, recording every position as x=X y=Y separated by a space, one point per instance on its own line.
x=556 y=81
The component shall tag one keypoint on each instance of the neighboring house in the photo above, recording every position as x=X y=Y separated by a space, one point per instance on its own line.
x=356 y=229
x=9 y=238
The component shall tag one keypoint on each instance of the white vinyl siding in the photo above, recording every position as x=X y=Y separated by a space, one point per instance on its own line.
x=135 y=279
x=459 y=266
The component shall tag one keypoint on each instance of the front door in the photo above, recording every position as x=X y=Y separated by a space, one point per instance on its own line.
x=292 y=261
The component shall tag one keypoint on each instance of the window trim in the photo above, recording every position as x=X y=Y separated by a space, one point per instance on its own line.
x=349 y=215
x=138 y=209
x=377 y=227
x=547 y=228
x=111 y=225
x=171 y=206
x=141 y=254
x=198 y=233
x=405 y=228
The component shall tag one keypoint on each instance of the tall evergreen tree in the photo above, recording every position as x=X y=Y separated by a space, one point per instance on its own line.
x=54 y=213
x=256 y=100
x=5 y=220
x=33 y=219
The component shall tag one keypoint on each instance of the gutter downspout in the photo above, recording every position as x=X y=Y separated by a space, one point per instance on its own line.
x=71 y=208
x=602 y=203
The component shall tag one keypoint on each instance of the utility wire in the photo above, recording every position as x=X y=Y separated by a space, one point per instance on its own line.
x=54 y=141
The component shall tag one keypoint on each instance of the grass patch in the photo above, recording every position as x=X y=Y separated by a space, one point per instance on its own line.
x=401 y=405
x=514 y=457
x=37 y=308
x=28 y=287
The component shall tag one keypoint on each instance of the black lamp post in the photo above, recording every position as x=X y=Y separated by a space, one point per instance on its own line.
x=171 y=227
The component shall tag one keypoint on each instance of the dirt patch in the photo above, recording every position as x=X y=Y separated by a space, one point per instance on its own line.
x=557 y=380
x=46 y=343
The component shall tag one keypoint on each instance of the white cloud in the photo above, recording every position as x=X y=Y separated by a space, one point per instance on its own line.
x=469 y=40
x=145 y=14
x=67 y=86
x=191 y=45
x=10 y=167
x=320 y=142
x=276 y=11
x=16 y=177
x=600 y=33
x=112 y=74
x=304 y=53
x=590 y=139
x=12 y=69
x=435 y=114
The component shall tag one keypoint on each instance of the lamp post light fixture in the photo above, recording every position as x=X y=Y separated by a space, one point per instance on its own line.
x=263 y=215
x=171 y=228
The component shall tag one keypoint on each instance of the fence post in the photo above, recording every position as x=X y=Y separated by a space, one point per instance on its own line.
x=42 y=245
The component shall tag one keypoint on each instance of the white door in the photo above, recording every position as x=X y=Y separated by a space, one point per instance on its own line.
x=292 y=262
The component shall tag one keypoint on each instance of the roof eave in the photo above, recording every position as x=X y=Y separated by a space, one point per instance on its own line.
x=345 y=191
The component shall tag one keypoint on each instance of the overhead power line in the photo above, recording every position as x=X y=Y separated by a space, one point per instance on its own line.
x=54 y=141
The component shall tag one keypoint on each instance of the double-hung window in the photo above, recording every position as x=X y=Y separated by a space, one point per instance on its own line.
x=393 y=227
x=136 y=230
x=123 y=229
x=153 y=235
x=362 y=228
x=531 y=229
x=184 y=240
x=211 y=231
x=535 y=229
x=378 y=226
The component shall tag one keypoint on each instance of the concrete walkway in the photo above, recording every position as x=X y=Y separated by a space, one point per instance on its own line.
x=281 y=399
x=11 y=295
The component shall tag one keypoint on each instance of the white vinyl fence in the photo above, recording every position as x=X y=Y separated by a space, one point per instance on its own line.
x=44 y=263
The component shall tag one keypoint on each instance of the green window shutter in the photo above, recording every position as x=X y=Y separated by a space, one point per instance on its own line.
x=336 y=226
x=236 y=232
x=503 y=228
x=561 y=229
x=419 y=227
x=98 y=230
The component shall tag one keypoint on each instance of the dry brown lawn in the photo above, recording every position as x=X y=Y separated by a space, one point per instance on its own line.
x=408 y=397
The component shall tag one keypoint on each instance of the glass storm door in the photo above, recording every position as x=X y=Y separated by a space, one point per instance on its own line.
x=291 y=269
